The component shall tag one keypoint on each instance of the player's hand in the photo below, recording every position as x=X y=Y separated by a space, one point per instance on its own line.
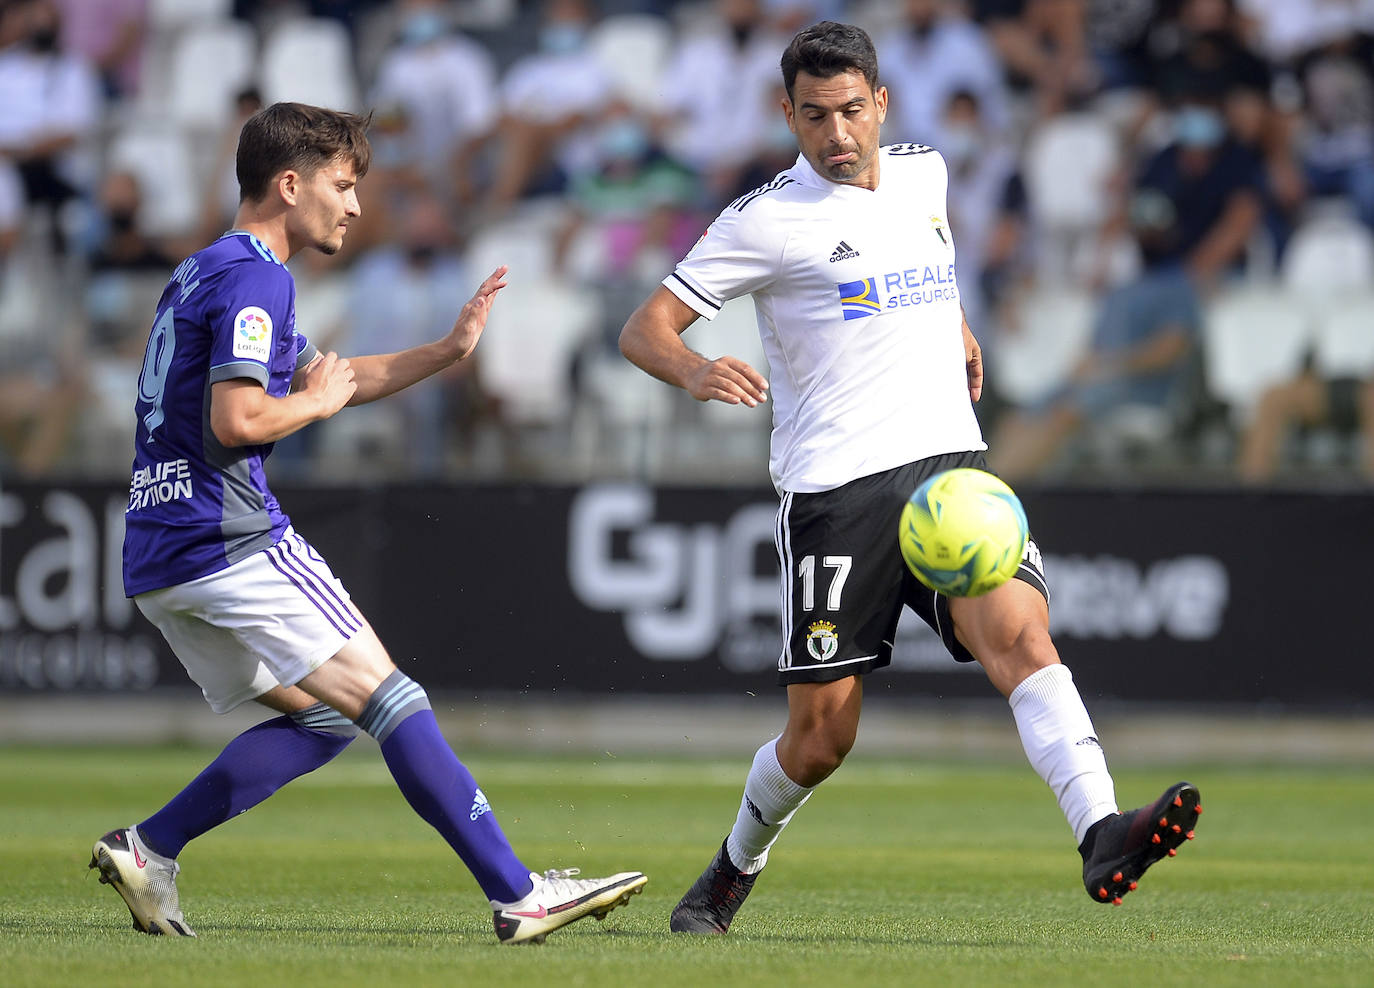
x=973 y=365
x=727 y=379
x=472 y=317
x=330 y=380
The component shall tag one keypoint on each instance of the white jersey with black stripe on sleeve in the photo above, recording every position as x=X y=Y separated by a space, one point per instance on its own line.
x=858 y=310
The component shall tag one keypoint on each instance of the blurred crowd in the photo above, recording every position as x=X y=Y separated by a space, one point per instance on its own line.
x=1163 y=209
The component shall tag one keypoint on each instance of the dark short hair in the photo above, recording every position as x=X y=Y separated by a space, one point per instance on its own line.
x=297 y=137
x=828 y=49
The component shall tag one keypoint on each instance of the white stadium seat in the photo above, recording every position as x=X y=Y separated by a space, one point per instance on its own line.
x=210 y=63
x=1343 y=336
x=733 y=332
x=524 y=244
x=25 y=296
x=1329 y=253
x=1253 y=338
x=309 y=61
x=1067 y=166
x=1053 y=330
x=527 y=349
x=634 y=48
x=160 y=155
x=621 y=422
x=1068 y=162
x=166 y=15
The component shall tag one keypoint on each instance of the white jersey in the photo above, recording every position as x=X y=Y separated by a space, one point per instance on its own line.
x=859 y=314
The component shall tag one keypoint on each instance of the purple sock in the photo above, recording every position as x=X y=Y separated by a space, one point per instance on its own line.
x=250 y=768
x=444 y=793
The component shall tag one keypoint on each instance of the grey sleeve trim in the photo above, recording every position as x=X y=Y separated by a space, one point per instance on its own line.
x=239 y=368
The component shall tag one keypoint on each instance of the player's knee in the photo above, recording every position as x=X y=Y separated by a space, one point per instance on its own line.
x=397 y=698
x=815 y=756
x=1011 y=651
x=327 y=720
x=1009 y=640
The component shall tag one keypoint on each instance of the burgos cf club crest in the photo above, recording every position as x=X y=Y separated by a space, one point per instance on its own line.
x=821 y=641
x=859 y=299
x=938 y=225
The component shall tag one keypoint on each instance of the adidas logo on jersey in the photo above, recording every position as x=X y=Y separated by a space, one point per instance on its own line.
x=479 y=805
x=843 y=253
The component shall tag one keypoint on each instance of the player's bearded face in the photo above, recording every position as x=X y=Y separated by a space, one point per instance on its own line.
x=837 y=120
x=328 y=203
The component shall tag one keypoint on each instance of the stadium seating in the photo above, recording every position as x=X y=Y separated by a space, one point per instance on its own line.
x=527 y=350
x=310 y=61
x=730 y=435
x=1033 y=359
x=200 y=99
x=24 y=297
x=733 y=332
x=524 y=243
x=1316 y=297
x=1253 y=337
x=634 y=48
x=165 y=15
x=160 y=154
x=1068 y=162
x=621 y=422
x=1343 y=335
x=1329 y=252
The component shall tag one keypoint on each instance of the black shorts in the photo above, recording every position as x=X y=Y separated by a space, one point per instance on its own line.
x=844 y=581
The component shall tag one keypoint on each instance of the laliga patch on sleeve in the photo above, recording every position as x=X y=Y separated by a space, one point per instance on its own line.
x=253 y=333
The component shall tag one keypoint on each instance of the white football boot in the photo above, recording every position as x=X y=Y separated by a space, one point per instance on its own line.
x=558 y=898
x=146 y=881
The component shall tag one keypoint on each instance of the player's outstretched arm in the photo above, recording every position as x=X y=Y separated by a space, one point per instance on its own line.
x=652 y=341
x=379 y=375
x=243 y=414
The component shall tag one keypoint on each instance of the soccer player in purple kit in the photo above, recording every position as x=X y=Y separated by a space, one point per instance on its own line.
x=249 y=607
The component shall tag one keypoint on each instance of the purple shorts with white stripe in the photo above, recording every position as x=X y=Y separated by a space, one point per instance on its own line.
x=268 y=620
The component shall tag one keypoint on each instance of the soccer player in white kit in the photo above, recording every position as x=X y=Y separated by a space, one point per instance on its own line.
x=851 y=265
x=249 y=607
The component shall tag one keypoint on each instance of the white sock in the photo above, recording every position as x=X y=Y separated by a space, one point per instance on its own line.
x=1062 y=746
x=770 y=799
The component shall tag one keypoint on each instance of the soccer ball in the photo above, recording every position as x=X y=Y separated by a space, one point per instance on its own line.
x=963 y=532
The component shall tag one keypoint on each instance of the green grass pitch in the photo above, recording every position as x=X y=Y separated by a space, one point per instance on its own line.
x=896 y=873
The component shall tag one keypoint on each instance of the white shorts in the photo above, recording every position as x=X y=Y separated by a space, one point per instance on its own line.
x=268 y=620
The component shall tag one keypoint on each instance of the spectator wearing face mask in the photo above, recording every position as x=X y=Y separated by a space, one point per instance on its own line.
x=719 y=99
x=51 y=102
x=111 y=35
x=128 y=268
x=403 y=293
x=442 y=85
x=637 y=200
x=552 y=101
x=987 y=206
x=937 y=52
x=1334 y=82
x=1205 y=48
x=1191 y=211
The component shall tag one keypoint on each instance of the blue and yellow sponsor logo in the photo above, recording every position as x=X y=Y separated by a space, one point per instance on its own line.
x=859 y=299
x=900 y=290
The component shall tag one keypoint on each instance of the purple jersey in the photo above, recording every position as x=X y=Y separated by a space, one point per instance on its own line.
x=196 y=506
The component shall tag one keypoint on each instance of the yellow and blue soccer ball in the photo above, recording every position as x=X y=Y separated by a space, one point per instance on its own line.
x=963 y=532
